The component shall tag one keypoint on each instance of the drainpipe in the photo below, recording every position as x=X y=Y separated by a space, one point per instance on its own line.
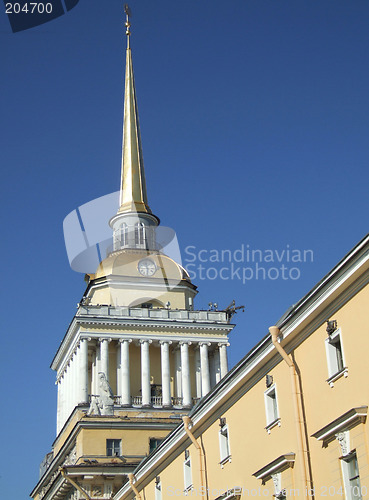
x=134 y=489
x=73 y=483
x=186 y=422
x=297 y=405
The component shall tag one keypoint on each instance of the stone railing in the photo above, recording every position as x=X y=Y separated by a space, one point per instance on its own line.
x=136 y=401
x=177 y=401
x=155 y=313
x=157 y=400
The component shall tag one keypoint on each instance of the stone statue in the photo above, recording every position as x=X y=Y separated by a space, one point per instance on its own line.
x=103 y=404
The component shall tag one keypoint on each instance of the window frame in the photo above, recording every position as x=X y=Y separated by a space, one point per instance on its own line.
x=114 y=442
x=272 y=414
x=123 y=234
x=224 y=445
x=335 y=370
x=140 y=235
x=346 y=465
x=151 y=442
x=187 y=473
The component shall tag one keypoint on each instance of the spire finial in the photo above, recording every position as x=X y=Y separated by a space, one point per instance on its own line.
x=128 y=12
x=133 y=196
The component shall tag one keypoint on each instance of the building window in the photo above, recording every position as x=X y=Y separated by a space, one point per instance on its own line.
x=335 y=357
x=351 y=479
x=121 y=237
x=271 y=408
x=154 y=443
x=158 y=493
x=225 y=453
x=140 y=235
x=113 y=447
x=123 y=234
x=187 y=473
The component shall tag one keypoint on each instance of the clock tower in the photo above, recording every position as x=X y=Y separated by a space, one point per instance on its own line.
x=137 y=355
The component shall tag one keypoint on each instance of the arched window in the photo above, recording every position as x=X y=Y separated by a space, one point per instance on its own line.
x=123 y=234
x=140 y=234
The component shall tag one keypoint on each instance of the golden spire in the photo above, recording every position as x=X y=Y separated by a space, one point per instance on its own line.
x=133 y=196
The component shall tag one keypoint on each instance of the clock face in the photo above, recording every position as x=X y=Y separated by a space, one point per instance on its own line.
x=147 y=267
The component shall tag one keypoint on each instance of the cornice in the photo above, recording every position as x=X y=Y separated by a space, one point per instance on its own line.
x=171 y=285
x=149 y=323
x=120 y=469
x=278 y=465
x=345 y=422
x=73 y=335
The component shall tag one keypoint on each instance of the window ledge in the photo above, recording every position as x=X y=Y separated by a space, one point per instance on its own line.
x=270 y=426
x=336 y=376
x=225 y=460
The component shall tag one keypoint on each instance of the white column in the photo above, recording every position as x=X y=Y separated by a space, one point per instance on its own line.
x=104 y=356
x=223 y=360
x=186 y=377
x=125 y=382
x=108 y=488
x=217 y=366
x=165 y=373
x=62 y=401
x=95 y=371
x=67 y=391
x=177 y=357
x=118 y=377
x=59 y=406
x=145 y=372
x=212 y=368
x=82 y=378
x=71 y=385
x=73 y=381
x=198 y=372
x=205 y=373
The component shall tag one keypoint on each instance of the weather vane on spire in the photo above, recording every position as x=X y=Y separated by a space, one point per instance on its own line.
x=128 y=12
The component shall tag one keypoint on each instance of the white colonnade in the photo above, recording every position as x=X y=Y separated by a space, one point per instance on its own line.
x=188 y=370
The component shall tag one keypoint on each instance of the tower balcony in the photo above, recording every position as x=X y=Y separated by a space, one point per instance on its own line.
x=156 y=402
x=173 y=315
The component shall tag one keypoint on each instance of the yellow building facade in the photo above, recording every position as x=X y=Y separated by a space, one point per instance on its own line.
x=289 y=420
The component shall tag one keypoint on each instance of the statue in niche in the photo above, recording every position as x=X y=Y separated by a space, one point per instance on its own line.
x=103 y=404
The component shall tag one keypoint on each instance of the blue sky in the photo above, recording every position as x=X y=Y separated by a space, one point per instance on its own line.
x=254 y=121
